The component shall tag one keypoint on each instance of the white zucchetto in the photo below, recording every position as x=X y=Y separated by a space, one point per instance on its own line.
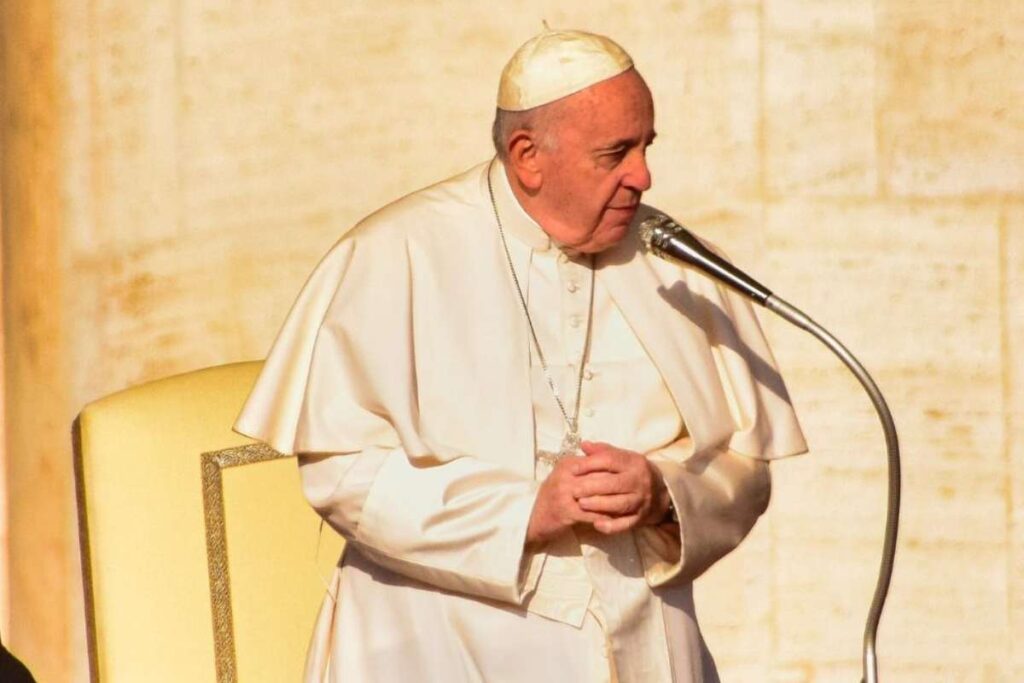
x=555 y=64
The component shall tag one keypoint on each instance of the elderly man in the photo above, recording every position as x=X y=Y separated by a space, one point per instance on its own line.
x=532 y=435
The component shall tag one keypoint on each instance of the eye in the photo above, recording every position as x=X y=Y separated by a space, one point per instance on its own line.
x=614 y=156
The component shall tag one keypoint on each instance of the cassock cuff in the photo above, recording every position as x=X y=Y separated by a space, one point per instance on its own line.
x=660 y=545
x=718 y=497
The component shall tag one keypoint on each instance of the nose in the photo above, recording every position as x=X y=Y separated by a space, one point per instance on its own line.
x=638 y=175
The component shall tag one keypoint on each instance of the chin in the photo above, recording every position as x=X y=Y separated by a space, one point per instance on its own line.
x=607 y=238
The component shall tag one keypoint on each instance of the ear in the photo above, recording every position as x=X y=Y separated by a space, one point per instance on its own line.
x=524 y=159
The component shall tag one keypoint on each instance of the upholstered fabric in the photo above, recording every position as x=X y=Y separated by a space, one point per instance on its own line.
x=142 y=515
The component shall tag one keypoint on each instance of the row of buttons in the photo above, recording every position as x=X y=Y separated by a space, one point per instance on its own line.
x=576 y=321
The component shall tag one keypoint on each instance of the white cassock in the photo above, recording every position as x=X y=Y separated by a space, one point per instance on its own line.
x=405 y=378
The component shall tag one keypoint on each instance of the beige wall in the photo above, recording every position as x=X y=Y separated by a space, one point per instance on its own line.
x=173 y=170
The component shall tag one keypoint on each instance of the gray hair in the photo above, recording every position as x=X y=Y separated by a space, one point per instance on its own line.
x=538 y=120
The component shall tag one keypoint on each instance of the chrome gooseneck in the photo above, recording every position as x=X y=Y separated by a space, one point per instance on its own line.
x=664 y=237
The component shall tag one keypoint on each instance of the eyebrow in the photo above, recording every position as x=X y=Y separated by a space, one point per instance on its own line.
x=625 y=142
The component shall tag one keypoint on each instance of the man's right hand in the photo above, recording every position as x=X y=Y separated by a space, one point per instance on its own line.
x=556 y=509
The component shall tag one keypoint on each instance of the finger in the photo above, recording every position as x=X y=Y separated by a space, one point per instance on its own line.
x=618 y=505
x=594 y=447
x=574 y=513
x=617 y=525
x=603 y=461
x=592 y=518
x=568 y=509
x=599 y=484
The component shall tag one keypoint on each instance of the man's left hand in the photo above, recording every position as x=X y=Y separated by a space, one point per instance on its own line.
x=622 y=484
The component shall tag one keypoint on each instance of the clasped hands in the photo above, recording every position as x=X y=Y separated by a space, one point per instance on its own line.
x=611 y=489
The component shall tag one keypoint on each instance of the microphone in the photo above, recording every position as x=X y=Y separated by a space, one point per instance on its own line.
x=663 y=237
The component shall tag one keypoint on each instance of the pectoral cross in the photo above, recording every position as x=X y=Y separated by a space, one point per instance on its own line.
x=570 y=447
x=570 y=443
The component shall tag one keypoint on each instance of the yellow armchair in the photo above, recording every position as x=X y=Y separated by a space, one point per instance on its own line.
x=201 y=560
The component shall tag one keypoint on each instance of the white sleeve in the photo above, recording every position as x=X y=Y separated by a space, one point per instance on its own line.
x=718 y=497
x=459 y=525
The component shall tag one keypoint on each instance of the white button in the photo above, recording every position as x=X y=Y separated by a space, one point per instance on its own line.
x=575 y=321
x=572 y=287
x=562 y=258
x=587 y=374
x=589 y=412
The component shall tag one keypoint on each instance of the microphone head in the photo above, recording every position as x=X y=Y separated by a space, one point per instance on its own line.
x=663 y=237
x=655 y=229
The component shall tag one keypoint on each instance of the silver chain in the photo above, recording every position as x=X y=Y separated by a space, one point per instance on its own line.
x=572 y=423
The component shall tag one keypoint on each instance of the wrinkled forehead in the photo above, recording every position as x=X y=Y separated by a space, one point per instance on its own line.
x=625 y=89
x=618 y=107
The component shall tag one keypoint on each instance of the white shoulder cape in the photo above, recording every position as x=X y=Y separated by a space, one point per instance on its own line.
x=409 y=334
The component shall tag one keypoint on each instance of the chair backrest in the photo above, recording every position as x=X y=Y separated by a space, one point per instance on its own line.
x=200 y=557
